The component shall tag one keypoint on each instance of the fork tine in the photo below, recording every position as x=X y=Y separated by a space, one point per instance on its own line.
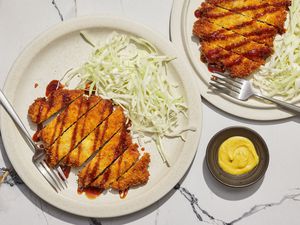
x=238 y=80
x=225 y=90
x=62 y=175
x=52 y=175
x=228 y=80
x=46 y=175
x=225 y=84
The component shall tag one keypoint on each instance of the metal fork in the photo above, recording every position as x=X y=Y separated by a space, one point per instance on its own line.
x=241 y=89
x=55 y=176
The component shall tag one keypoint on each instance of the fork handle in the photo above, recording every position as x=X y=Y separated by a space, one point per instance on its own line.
x=280 y=103
x=12 y=113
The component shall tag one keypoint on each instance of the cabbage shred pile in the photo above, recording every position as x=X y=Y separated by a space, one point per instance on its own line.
x=131 y=72
x=281 y=75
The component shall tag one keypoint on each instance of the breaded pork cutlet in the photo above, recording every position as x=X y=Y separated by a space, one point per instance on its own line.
x=43 y=108
x=78 y=131
x=117 y=169
x=138 y=174
x=223 y=60
x=230 y=41
x=268 y=11
x=66 y=118
x=254 y=30
x=96 y=139
x=104 y=158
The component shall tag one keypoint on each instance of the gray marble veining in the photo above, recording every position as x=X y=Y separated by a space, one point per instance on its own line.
x=58 y=10
x=204 y=216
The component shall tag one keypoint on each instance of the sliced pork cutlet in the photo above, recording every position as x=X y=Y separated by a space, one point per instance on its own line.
x=138 y=174
x=66 y=118
x=254 y=30
x=231 y=41
x=266 y=11
x=78 y=131
x=43 y=108
x=117 y=169
x=222 y=60
x=96 y=139
x=109 y=152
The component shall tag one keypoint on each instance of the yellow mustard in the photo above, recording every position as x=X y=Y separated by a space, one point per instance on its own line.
x=237 y=155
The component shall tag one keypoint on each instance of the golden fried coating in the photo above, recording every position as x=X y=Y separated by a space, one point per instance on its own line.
x=109 y=152
x=270 y=12
x=230 y=41
x=236 y=65
x=246 y=26
x=66 y=118
x=78 y=131
x=96 y=139
x=138 y=174
x=117 y=169
x=43 y=108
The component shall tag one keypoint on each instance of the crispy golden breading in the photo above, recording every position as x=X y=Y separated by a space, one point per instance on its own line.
x=109 y=152
x=96 y=139
x=117 y=169
x=230 y=41
x=43 y=108
x=236 y=65
x=78 y=131
x=246 y=26
x=138 y=174
x=66 y=118
x=269 y=12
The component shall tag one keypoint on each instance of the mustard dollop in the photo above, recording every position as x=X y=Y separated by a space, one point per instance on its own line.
x=237 y=155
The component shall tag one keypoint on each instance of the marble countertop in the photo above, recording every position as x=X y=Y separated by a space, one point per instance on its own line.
x=198 y=198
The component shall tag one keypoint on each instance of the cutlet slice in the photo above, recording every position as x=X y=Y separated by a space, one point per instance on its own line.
x=138 y=174
x=230 y=41
x=43 y=108
x=254 y=30
x=78 y=131
x=96 y=139
x=117 y=169
x=236 y=65
x=109 y=152
x=66 y=118
x=265 y=11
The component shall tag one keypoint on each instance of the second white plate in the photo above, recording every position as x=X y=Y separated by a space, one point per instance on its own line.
x=182 y=20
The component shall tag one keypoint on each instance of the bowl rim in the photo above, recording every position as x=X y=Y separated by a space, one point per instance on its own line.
x=264 y=149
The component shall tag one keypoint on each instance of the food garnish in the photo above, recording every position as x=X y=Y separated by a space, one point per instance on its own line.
x=130 y=71
x=280 y=76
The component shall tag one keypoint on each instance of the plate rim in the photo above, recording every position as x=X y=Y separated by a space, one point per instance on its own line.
x=223 y=103
x=88 y=22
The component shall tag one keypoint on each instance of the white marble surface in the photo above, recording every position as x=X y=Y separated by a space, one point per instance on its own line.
x=199 y=199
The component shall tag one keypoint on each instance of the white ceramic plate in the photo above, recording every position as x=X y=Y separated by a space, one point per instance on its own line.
x=182 y=20
x=49 y=57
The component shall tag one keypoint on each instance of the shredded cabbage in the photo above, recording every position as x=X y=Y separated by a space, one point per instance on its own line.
x=130 y=71
x=281 y=75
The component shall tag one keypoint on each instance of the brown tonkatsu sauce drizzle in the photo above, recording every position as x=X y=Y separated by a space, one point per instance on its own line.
x=123 y=193
x=66 y=170
x=62 y=124
x=96 y=133
x=262 y=52
x=235 y=62
x=91 y=192
x=53 y=86
x=237 y=44
x=36 y=135
x=212 y=67
x=119 y=148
